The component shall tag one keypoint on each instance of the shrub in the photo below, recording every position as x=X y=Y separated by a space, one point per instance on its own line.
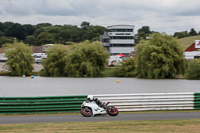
x=19 y=60
x=54 y=65
x=127 y=68
x=86 y=59
x=161 y=57
x=193 y=70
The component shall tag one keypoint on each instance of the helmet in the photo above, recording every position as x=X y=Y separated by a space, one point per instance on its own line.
x=90 y=97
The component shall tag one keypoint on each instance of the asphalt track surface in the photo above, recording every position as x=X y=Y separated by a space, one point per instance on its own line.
x=79 y=118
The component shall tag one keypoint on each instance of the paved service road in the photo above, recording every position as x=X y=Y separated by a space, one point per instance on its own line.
x=79 y=118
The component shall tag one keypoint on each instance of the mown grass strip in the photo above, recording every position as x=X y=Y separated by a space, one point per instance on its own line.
x=152 y=126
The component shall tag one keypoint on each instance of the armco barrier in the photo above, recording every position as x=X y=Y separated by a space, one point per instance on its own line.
x=54 y=104
x=153 y=101
x=124 y=102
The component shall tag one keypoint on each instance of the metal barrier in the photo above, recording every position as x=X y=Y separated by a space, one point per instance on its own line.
x=153 y=101
x=124 y=102
x=53 y=104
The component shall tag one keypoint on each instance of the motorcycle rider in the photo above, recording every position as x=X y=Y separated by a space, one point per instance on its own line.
x=98 y=102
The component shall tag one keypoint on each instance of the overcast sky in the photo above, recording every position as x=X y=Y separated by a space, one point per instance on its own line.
x=161 y=15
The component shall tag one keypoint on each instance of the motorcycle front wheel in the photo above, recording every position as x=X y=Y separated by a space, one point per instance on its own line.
x=87 y=112
x=112 y=111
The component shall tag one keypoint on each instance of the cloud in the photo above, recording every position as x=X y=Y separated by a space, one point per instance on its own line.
x=104 y=12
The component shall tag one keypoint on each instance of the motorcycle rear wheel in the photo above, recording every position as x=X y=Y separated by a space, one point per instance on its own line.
x=112 y=111
x=87 y=112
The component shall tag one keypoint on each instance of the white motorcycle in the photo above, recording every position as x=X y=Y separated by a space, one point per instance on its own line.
x=91 y=108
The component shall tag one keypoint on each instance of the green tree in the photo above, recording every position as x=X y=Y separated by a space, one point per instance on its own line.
x=16 y=30
x=192 y=32
x=127 y=68
x=193 y=70
x=181 y=34
x=30 y=40
x=54 y=65
x=85 y=25
x=19 y=58
x=4 y=40
x=160 y=57
x=44 y=38
x=93 y=33
x=144 y=32
x=86 y=59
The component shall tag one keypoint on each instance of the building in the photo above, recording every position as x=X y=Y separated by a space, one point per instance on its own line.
x=193 y=51
x=118 y=39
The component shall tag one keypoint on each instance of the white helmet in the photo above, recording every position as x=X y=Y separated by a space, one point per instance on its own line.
x=90 y=97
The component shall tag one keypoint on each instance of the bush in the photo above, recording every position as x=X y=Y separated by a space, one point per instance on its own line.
x=127 y=68
x=19 y=60
x=86 y=59
x=109 y=72
x=193 y=70
x=55 y=63
x=161 y=57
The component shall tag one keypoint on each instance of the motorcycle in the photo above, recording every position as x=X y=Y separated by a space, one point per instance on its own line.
x=90 y=108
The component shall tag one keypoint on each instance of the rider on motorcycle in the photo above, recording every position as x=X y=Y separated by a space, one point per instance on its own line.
x=98 y=102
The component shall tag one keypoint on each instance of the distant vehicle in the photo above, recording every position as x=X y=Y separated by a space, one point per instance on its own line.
x=115 y=60
x=39 y=57
x=3 y=58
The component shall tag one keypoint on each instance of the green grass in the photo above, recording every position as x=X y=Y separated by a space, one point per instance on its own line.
x=78 y=113
x=109 y=72
x=150 y=126
x=5 y=73
x=187 y=41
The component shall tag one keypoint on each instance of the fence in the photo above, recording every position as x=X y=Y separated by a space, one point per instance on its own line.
x=22 y=105
x=124 y=102
x=153 y=101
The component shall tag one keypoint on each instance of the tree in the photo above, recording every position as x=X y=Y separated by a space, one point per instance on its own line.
x=93 y=33
x=144 y=32
x=85 y=25
x=127 y=68
x=16 y=30
x=4 y=40
x=181 y=34
x=19 y=60
x=160 y=57
x=55 y=63
x=44 y=38
x=30 y=39
x=192 y=32
x=43 y=25
x=193 y=70
x=29 y=29
x=86 y=59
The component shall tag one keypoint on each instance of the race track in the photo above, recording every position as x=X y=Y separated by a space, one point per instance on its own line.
x=79 y=118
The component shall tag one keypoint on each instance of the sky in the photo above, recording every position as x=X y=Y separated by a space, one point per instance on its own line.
x=167 y=16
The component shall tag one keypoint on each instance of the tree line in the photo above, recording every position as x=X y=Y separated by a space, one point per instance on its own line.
x=144 y=32
x=45 y=33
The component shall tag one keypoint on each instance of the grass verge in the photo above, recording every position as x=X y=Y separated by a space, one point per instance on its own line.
x=153 y=126
x=5 y=73
x=78 y=113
